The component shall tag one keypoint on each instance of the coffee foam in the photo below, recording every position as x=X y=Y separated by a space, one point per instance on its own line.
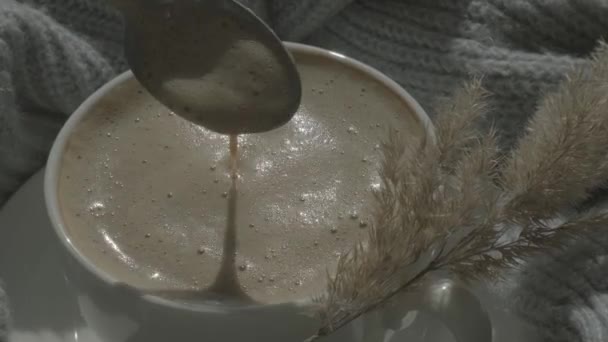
x=143 y=191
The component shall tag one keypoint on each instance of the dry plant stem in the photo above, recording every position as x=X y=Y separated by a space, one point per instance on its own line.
x=414 y=207
x=563 y=154
x=449 y=205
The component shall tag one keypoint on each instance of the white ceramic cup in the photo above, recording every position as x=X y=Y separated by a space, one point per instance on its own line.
x=120 y=313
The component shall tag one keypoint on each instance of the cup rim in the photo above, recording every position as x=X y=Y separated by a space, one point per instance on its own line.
x=51 y=173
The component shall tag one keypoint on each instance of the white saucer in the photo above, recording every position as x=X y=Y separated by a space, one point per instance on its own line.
x=44 y=309
x=42 y=306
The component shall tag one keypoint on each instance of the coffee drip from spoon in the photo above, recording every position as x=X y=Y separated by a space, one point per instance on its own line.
x=216 y=64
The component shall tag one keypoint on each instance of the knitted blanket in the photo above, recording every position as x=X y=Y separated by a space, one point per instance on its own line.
x=54 y=53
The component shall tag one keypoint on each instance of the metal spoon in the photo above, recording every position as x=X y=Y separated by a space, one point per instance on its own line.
x=213 y=62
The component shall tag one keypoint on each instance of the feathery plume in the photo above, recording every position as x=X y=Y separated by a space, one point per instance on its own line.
x=450 y=202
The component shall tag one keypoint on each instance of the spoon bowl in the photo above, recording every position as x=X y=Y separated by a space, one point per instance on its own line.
x=213 y=62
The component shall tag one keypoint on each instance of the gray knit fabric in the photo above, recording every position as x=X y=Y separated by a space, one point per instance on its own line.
x=565 y=295
x=54 y=53
x=3 y=315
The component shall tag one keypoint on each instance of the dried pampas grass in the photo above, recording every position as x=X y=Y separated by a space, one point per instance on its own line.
x=454 y=202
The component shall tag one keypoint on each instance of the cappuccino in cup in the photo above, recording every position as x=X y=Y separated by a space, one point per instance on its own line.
x=144 y=194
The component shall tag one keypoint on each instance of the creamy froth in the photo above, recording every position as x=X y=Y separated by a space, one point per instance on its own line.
x=144 y=192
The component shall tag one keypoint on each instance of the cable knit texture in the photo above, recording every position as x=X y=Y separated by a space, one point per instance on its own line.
x=3 y=316
x=54 y=53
